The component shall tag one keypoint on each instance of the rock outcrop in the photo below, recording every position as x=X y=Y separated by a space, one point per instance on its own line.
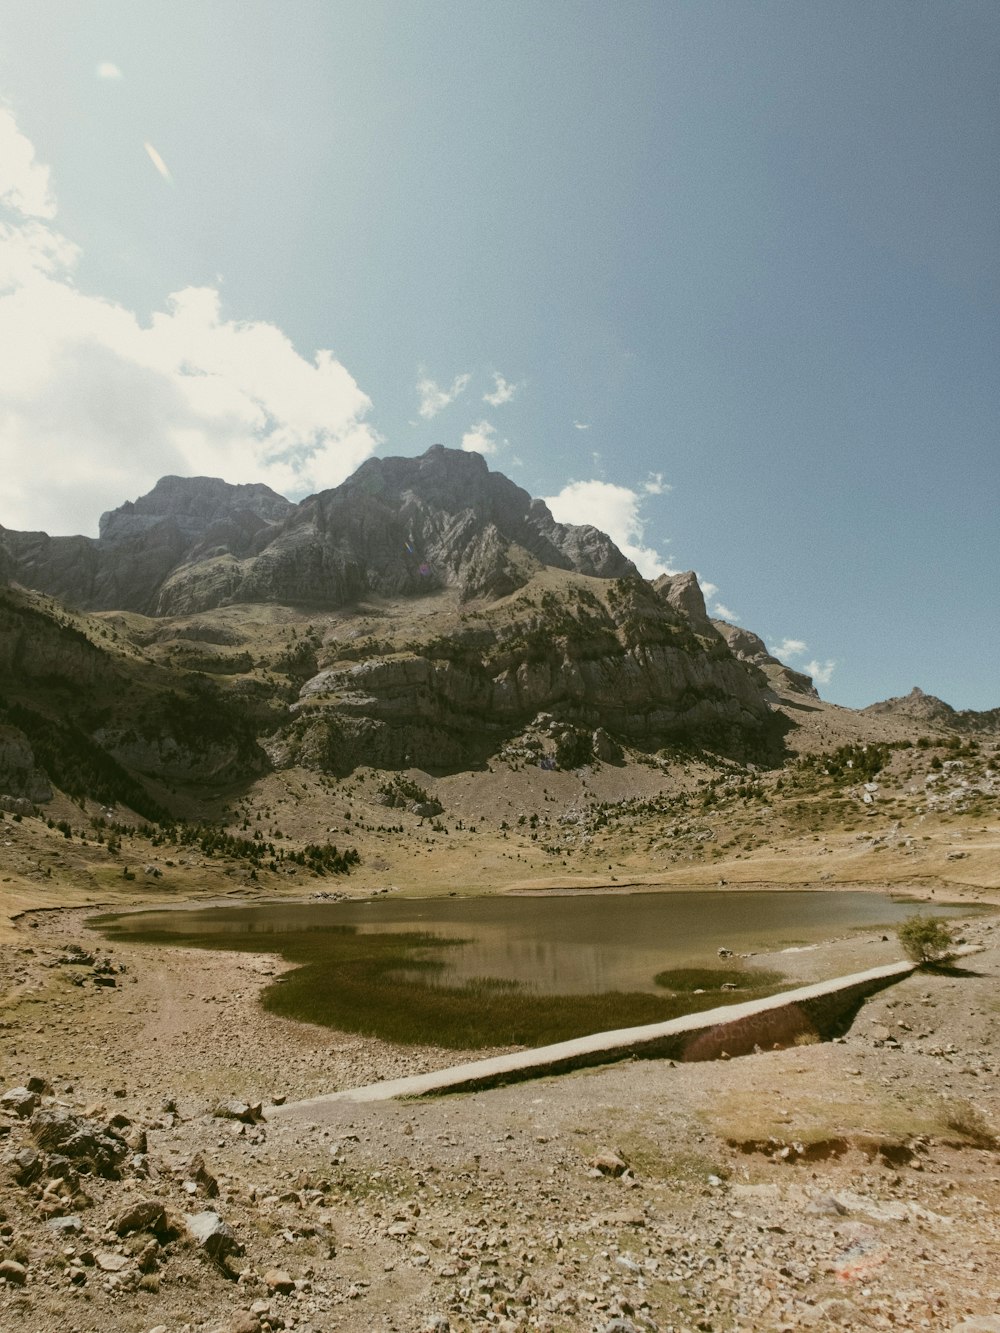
x=748 y=647
x=623 y=664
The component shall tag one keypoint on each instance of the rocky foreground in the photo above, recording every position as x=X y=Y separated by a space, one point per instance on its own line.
x=148 y=1182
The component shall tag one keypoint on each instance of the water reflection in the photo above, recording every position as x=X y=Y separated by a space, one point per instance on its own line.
x=562 y=944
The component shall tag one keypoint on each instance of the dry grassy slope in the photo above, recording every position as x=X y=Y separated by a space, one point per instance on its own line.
x=675 y=820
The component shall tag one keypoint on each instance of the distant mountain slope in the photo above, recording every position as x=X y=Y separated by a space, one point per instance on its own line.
x=927 y=708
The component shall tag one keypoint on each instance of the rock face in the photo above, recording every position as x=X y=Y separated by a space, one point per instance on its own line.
x=19 y=772
x=84 y=712
x=749 y=648
x=398 y=527
x=141 y=543
x=626 y=664
x=683 y=592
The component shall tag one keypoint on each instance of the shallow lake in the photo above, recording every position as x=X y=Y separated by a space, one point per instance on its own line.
x=558 y=944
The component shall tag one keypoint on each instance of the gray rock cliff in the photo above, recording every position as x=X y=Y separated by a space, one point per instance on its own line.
x=397 y=527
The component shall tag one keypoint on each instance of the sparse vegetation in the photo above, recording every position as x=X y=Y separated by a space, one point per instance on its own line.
x=926 y=939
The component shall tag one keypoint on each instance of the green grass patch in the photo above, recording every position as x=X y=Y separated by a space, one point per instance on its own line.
x=382 y=985
x=685 y=980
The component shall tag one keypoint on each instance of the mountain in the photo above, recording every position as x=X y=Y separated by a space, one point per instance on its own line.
x=425 y=613
x=398 y=527
x=928 y=709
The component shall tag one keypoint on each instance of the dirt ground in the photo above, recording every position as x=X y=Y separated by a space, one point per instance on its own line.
x=851 y=1184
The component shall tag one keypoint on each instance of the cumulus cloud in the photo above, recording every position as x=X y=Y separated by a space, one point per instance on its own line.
x=480 y=439
x=96 y=404
x=616 y=511
x=789 y=648
x=821 y=672
x=502 y=392
x=24 y=183
x=722 y=612
x=107 y=69
x=655 y=485
x=434 y=399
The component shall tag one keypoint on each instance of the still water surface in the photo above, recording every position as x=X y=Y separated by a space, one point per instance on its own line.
x=558 y=944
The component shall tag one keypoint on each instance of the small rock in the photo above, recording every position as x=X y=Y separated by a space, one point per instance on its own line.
x=108 y=1262
x=825 y=1205
x=13 y=1273
x=278 y=1280
x=608 y=1164
x=244 y=1321
x=835 y=1309
x=202 y=1177
x=18 y=1101
x=66 y=1226
x=143 y=1215
x=26 y=1166
x=237 y=1110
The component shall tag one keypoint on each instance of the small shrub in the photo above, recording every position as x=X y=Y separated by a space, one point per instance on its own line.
x=926 y=939
x=962 y=1118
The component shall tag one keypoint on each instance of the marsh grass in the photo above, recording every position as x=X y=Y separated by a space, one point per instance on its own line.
x=383 y=985
x=684 y=980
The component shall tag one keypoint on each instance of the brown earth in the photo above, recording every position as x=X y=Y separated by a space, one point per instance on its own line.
x=849 y=1184
x=845 y=1184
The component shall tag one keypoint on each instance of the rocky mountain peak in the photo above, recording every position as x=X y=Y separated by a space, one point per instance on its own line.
x=917 y=705
x=397 y=527
x=683 y=592
x=194 y=504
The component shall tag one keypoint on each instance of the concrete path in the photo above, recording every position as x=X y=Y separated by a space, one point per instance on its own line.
x=732 y=1029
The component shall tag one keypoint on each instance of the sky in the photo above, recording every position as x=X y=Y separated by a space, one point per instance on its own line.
x=720 y=278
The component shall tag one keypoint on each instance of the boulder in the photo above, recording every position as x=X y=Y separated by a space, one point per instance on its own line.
x=199 y=1173
x=278 y=1280
x=143 y=1215
x=88 y=1145
x=215 y=1238
x=19 y=1101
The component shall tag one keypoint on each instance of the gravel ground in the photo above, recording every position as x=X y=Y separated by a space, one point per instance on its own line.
x=851 y=1184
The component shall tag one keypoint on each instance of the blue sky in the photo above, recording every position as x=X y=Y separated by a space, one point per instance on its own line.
x=719 y=277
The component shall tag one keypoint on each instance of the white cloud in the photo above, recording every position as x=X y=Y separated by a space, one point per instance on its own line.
x=434 y=399
x=582 y=425
x=480 y=439
x=789 y=648
x=24 y=183
x=722 y=612
x=615 y=510
x=503 y=391
x=96 y=405
x=159 y=163
x=821 y=672
x=655 y=485
x=107 y=69
x=708 y=590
